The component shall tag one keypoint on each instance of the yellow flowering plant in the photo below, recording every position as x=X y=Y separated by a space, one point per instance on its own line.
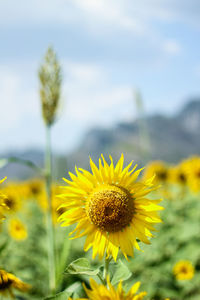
x=111 y=208
x=3 y=205
x=183 y=270
x=9 y=282
x=17 y=230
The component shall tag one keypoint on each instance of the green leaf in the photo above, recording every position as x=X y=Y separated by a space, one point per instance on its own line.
x=60 y=296
x=76 y=296
x=81 y=266
x=28 y=163
x=3 y=246
x=121 y=272
x=74 y=287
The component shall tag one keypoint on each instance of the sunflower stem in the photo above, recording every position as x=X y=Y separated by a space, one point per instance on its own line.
x=106 y=268
x=61 y=264
x=50 y=227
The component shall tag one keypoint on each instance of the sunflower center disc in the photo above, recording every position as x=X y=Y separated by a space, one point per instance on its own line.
x=110 y=208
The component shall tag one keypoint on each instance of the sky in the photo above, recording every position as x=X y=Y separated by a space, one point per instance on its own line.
x=108 y=49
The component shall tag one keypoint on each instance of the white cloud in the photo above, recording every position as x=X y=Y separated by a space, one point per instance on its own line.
x=109 y=15
x=90 y=97
x=171 y=47
x=113 y=14
x=16 y=99
x=84 y=73
x=98 y=15
x=34 y=12
x=101 y=107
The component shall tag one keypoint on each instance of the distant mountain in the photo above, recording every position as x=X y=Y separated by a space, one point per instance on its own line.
x=170 y=138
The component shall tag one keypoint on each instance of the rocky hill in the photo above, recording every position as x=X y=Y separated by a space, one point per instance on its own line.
x=169 y=138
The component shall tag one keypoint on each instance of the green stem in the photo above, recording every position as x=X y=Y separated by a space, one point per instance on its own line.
x=101 y=279
x=106 y=269
x=50 y=227
x=62 y=260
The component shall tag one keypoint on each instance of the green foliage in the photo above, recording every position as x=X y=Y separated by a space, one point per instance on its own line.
x=177 y=238
x=120 y=272
x=60 y=296
x=71 y=290
x=81 y=266
x=3 y=246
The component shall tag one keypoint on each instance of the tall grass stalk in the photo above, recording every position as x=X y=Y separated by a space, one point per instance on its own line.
x=50 y=227
x=50 y=88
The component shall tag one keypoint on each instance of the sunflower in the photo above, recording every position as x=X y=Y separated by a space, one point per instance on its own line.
x=13 y=198
x=158 y=168
x=3 y=206
x=101 y=292
x=34 y=188
x=193 y=170
x=8 y=282
x=179 y=174
x=110 y=207
x=17 y=230
x=183 y=270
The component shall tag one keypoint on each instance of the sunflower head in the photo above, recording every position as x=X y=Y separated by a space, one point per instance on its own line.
x=178 y=174
x=3 y=206
x=183 y=270
x=13 y=197
x=192 y=166
x=100 y=291
x=34 y=188
x=110 y=207
x=159 y=169
x=8 y=282
x=17 y=230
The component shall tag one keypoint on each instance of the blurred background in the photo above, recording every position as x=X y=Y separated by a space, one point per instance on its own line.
x=131 y=74
x=131 y=84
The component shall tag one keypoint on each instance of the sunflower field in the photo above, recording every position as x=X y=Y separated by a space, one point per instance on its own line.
x=114 y=231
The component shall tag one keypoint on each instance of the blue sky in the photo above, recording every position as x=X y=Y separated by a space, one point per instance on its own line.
x=108 y=49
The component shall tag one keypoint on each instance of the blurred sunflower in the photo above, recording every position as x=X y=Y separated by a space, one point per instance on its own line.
x=3 y=206
x=17 y=230
x=100 y=291
x=110 y=207
x=34 y=188
x=179 y=174
x=159 y=169
x=13 y=198
x=193 y=171
x=8 y=282
x=183 y=270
